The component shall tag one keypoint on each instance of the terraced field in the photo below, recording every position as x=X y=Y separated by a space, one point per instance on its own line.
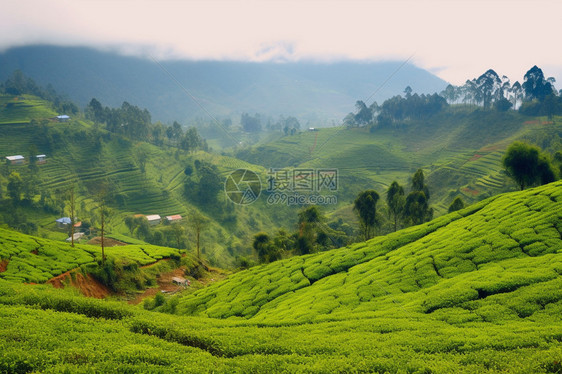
x=24 y=108
x=460 y=151
x=478 y=290
x=450 y=262
x=32 y=259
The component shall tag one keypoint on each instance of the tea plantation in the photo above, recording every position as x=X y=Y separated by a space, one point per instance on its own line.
x=478 y=290
x=32 y=259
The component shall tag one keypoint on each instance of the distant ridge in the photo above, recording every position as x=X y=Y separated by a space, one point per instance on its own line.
x=315 y=92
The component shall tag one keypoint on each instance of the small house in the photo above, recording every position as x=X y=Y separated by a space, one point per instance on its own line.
x=312 y=129
x=180 y=281
x=153 y=219
x=174 y=218
x=77 y=236
x=63 y=222
x=41 y=159
x=15 y=160
x=63 y=118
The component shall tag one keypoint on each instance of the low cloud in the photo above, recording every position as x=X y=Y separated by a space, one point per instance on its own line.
x=456 y=40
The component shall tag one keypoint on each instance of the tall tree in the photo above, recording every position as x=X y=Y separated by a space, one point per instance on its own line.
x=309 y=219
x=535 y=85
x=141 y=156
x=198 y=224
x=209 y=184
x=395 y=200
x=418 y=183
x=72 y=205
x=15 y=186
x=416 y=207
x=366 y=207
x=32 y=157
x=266 y=250
x=516 y=93
x=103 y=215
x=363 y=115
x=95 y=111
x=457 y=204
x=250 y=123
x=526 y=166
x=488 y=84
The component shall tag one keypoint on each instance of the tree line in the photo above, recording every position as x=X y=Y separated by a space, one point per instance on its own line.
x=19 y=84
x=136 y=123
x=537 y=95
x=313 y=233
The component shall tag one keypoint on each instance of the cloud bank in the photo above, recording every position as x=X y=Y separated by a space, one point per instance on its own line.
x=454 y=39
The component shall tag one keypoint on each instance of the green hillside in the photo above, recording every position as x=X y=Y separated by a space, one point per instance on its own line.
x=478 y=290
x=31 y=259
x=460 y=150
x=464 y=262
x=80 y=153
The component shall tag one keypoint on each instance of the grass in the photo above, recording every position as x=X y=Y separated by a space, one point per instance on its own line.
x=478 y=290
x=24 y=108
x=73 y=156
x=459 y=148
x=446 y=148
x=453 y=255
x=33 y=259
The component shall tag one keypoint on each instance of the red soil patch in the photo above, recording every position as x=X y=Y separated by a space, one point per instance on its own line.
x=87 y=285
x=108 y=242
x=4 y=265
x=475 y=157
x=537 y=122
x=470 y=191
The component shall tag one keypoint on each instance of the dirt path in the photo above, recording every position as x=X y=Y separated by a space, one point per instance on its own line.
x=164 y=284
x=4 y=265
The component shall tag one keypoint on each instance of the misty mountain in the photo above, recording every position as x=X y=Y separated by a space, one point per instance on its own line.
x=315 y=92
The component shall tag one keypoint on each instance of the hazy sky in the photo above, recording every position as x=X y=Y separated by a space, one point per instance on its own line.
x=454 y=39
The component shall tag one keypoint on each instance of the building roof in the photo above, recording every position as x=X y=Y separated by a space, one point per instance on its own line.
x=77 y=235
x=153 y=217
x=175 y=217
x=41 y=156
x=64 y=220
x=179 y=280
x=15 y=158
x=63 y=116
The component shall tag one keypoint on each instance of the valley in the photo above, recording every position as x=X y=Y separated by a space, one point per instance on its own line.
x=434 y=245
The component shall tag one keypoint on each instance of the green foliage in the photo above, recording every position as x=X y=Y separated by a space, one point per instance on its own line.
x=399 y=268
x=478 y=290
x=525 y=164
x=395 y=201
x=457 y=204
x=366 y=207
x=15 y=186
x=32 y=259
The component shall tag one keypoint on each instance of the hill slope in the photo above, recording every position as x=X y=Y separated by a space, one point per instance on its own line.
x=475 y=291
x=460 y=151
x=310 y=91
x=503 y=255
x=80 y=153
